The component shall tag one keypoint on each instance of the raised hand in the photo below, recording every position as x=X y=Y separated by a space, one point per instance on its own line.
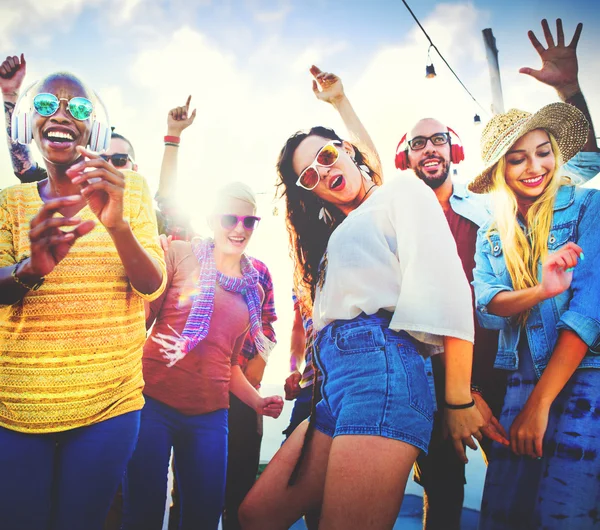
x=326 y=86
x=559 y=62
x=292 y=385
x=50 y=244
x=557 y=270
x=271 y=406
x=180 y=118
x=102 y=186
x=12 y=73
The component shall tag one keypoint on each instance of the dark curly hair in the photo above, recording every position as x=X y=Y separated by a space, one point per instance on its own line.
x=308 y=234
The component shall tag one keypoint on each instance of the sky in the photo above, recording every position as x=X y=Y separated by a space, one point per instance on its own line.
x=245 y=63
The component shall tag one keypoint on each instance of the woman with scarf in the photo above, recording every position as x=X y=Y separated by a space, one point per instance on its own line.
x=212 y=301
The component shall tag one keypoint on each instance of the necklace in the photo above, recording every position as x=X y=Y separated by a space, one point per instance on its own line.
x=365 y=195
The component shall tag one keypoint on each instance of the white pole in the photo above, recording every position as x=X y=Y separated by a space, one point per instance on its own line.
x=492 y=58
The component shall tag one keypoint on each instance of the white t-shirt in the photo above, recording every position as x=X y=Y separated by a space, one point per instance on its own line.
x=396 y=252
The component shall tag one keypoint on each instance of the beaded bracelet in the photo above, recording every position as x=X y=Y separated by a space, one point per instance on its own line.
x=172 y=144
x=20 y=282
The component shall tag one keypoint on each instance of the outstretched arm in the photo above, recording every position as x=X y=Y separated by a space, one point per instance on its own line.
x=178 y=120
x=328 y=87
x=560 y=71
x=12 y=73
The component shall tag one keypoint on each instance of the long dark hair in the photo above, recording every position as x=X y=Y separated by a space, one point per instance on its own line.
x=308 y=234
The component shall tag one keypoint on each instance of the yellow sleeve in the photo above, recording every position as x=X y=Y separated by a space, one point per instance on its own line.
x=7 y=248
x=143 y=225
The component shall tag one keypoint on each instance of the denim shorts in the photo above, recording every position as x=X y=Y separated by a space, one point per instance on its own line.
x=374 y=382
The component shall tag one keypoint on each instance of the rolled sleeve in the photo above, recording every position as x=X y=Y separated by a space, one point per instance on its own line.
x=486 y=285
x=143 y=226
x=584 y=166
x=583 y=314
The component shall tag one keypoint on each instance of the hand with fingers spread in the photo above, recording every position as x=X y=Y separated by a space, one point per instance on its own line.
x=559 y=62
x=557 y=270
x=180 y=118
x=102 y=186
x=50 y=244
x=462 y=425
x=12 y=73
x=270 y=406
x=327 y=86
x=492 y=428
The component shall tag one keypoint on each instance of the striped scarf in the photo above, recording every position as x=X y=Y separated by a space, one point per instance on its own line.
x=203 y=304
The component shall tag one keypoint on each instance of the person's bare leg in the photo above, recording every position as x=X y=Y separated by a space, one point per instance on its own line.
x=366 y=478
x=273 y=505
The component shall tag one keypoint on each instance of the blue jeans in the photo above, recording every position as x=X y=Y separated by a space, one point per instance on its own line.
x=66 y=479
x=301 y=410
x=200 y=447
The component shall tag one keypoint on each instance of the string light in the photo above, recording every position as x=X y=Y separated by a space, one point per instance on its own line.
x=432 y=45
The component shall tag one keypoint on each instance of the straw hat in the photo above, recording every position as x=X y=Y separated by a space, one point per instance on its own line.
x=566 y=123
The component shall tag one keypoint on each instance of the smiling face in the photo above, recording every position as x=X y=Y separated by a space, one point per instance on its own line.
x=339 y=184
x=233 y=240
x=57 y=136
x=432 y=163
x=530 y=165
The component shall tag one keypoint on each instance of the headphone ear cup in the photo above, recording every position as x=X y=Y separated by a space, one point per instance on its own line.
x=21 y=128
x=457 y=153
x=402 y=161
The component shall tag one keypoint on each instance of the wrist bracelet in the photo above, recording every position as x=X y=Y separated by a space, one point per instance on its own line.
x=172 y=139
x=13 y=93
x=20 y=282
x=476 y=389
x=460 y=407
x=172 y=144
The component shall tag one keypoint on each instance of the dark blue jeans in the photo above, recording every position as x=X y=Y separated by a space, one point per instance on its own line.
x=301 y=410
x=200 y=447
x=67 y=479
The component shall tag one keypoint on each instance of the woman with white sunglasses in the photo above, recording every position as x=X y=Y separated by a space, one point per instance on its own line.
x=385 y=287
x=212 y=301
x=78 y=257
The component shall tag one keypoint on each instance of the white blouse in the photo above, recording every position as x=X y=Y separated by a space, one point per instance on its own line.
x=396 y=252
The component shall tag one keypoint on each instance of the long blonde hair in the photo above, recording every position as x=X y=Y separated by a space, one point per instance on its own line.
x=524 y=251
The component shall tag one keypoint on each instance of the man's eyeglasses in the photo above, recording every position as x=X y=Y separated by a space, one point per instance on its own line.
x=117 y=159
x=437 y=139
x=48 y=104
x=326 y=157
x=230 y=221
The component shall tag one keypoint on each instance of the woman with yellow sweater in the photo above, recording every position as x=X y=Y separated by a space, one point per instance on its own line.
x=78 y=257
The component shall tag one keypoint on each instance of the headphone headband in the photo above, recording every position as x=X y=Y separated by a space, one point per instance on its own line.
x=22 y=121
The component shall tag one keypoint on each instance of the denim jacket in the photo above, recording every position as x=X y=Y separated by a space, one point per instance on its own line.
x=576 y=218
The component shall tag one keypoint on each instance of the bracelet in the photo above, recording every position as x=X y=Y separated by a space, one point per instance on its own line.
x=476 y=389
x=172 y=139
x=18 y=281
x=13 y=93
x=172 y=144
x=460 y=407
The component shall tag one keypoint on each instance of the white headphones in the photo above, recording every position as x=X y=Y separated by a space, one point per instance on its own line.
x=22 y=121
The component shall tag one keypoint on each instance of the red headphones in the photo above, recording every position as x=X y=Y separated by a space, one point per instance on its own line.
x=457 y=153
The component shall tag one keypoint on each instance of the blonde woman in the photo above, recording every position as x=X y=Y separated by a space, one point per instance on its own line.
x=213 y=299
x=534 y=283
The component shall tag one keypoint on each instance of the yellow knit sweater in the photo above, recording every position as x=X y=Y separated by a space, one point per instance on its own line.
x=70 y=352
